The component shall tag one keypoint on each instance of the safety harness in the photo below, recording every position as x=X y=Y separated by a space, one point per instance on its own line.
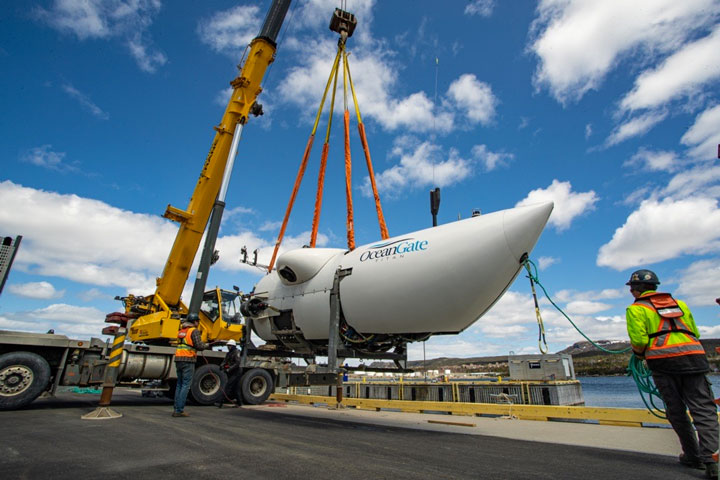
x=671 y=323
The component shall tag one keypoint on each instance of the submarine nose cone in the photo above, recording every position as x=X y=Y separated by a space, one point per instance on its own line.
x=523 y=225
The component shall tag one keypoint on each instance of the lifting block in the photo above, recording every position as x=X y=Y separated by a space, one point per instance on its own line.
x=102 y=413
x=343 y=21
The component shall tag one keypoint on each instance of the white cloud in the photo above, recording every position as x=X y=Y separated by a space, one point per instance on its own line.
x=483 y=8
x=91 y=242
x=590 y=295
x=84 y=240
x=148 y=60
x=647 y=160
x=44 y=157
x=585 y=307
x=547 y=262
x=513 y=309
x=568 y=204
x=439 y=346
x=93 y=294
x=579 y=42
x=39 y=290
x=698 y=283
x=105 y=19
x=503 y=331
x=709 y=332
x=681 y=74
x=698 y=179
x=704 y=136
x=421 y=164
x=661 y=230
x=270 y=226
x=474 y=98
x=375 y=75
x=85 y=102
x=64 y=319
x=588 y=131
x=230 y=31
x=635 y=127
x=491 y=160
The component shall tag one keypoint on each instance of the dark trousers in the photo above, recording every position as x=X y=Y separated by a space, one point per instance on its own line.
x=682 y=392
x=185 y=371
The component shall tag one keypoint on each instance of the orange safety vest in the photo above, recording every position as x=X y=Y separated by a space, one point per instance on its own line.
x=673 y=337
x=185 y=347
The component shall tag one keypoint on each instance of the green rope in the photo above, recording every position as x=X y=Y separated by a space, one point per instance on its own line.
x=534 y=277
x=637 y=369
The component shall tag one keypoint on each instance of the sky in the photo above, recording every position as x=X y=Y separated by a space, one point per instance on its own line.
x=610 y=109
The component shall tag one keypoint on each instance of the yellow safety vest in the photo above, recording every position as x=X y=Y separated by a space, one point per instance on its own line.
x=668 y=333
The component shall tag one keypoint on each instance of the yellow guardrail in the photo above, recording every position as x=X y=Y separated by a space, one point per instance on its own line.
x=634 y=417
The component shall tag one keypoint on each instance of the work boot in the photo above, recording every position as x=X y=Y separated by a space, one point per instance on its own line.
x=691 y=462
x=711 y=470
x=180 y=414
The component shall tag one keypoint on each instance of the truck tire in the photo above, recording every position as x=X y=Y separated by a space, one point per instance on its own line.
x=23 y=377
x=255 y=386
x=208 y=384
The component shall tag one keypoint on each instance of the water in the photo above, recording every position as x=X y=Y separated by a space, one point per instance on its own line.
x=621 y=392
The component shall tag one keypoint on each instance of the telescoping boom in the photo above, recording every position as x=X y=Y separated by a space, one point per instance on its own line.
x=158 y=315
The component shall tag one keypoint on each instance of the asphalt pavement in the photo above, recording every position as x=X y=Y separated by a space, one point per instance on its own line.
x=275 y=441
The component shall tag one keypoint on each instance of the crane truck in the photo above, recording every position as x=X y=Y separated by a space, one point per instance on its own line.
x=31 y=364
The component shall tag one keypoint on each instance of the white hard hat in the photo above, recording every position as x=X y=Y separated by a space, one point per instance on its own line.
x=231 y=343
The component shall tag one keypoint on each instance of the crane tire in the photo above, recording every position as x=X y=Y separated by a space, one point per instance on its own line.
x=255 y=386
x=208 y=384
x=23 y=377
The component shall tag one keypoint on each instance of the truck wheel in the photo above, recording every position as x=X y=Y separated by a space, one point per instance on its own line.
x=256 y=385
x=208 y=384
x=23 y=376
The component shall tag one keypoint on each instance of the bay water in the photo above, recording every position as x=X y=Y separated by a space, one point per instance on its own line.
x=621 y=391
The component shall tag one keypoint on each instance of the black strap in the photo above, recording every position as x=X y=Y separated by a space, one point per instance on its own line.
x=674 y=330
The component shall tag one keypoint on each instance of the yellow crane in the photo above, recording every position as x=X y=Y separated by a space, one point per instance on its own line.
x=156 y=318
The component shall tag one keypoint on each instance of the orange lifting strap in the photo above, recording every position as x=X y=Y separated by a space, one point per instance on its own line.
x=341 y=54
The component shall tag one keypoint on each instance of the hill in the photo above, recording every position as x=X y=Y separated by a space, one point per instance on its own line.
x=588 y=360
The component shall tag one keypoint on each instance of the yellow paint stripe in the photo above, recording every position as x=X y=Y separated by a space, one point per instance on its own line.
x=616 y=416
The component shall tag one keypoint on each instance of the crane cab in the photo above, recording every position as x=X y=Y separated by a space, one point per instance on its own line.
x=156 y=323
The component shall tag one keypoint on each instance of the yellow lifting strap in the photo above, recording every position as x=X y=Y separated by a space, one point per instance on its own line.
x=347 y=78
x=542 y=343
x=303 y=163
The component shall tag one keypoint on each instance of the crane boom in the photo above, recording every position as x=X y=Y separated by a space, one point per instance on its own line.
x=193 y=220
x=165 y=304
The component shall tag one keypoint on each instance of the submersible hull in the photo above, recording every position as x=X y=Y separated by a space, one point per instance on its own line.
x=434 y=281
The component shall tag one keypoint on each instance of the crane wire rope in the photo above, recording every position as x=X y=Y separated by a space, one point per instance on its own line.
x=637 y=369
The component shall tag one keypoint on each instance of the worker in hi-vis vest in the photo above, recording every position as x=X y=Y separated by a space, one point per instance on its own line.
x=663 y=332
x=189 y=342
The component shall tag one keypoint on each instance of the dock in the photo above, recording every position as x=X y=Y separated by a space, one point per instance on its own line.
x=280 y=440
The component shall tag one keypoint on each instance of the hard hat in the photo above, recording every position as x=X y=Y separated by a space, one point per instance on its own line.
x=643 y=276
x=231 y=343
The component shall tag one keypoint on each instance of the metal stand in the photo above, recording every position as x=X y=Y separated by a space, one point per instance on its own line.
x=103 y=411
x=334 y=333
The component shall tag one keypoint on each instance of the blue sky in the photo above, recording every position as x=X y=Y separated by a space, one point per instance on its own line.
x=610 y=109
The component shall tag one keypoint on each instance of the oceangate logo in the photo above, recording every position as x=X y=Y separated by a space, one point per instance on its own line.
x=386 y=251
